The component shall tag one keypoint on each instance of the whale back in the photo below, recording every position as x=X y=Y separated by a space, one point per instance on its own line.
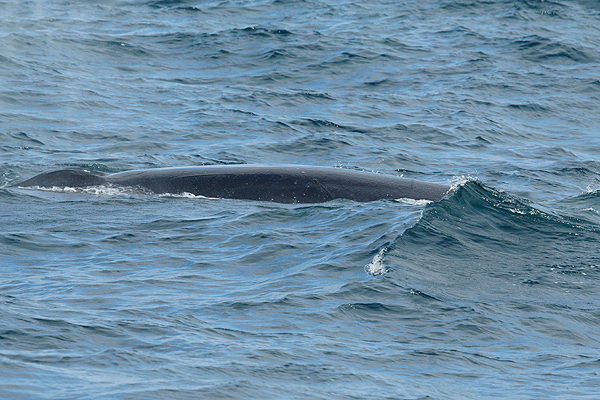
x=282 y=184
x=68 y=177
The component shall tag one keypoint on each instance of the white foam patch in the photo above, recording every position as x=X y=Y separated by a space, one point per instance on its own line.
x=186 y=195
x=591 y=189
x=93 y=190
x=413 y=202
x=377 y=267
x=458 y=181
x=103 y=190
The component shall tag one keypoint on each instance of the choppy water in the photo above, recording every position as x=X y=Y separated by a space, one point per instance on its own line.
x=490 y=293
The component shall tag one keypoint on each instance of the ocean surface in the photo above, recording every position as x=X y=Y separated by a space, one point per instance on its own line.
x=492 y=292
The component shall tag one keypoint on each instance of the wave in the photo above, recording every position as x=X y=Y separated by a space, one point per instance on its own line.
x=535 y=48
x=480 y=240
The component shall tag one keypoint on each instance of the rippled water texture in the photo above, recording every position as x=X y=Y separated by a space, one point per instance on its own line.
x=490 y=293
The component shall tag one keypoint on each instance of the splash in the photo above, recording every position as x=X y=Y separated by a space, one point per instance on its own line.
x=589 y=189
x=377 y=266
x=458 y=181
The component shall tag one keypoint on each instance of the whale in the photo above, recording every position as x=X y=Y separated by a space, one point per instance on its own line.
x=271 y=183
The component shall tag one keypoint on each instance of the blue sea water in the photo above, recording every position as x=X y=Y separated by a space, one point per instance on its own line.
x=492 y=292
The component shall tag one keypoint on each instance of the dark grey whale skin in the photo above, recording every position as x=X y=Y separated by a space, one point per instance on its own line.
x=282 y=184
